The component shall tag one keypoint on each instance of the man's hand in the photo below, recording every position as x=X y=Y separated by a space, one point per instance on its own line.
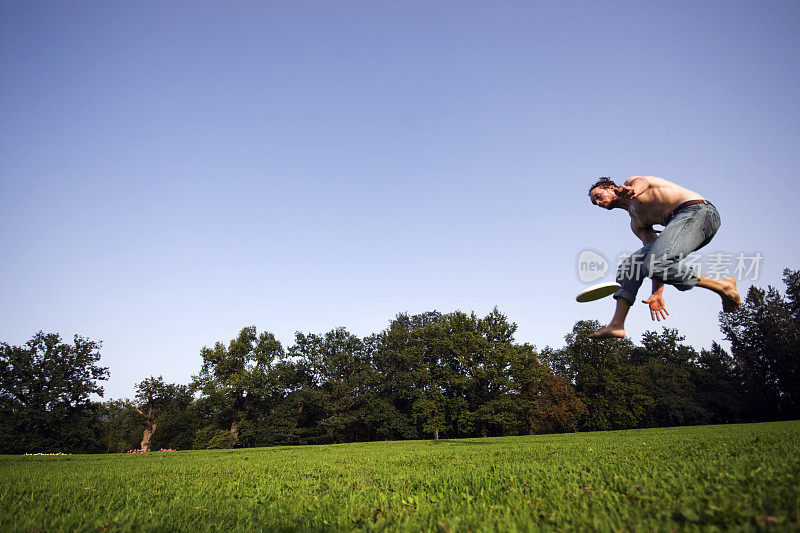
x=633 y=187
x=623 y=191
x=658 y=309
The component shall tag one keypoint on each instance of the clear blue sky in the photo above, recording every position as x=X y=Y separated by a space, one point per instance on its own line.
x=171 y=172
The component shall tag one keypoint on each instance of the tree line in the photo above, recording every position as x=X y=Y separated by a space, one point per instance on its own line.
x=430 y=375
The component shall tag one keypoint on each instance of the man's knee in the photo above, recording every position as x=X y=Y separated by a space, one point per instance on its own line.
x=662 y=267
x=654 y=267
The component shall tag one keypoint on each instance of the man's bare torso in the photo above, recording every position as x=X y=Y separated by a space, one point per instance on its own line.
x=656 y=203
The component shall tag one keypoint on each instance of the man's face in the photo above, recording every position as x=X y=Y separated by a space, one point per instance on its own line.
x=604 y=197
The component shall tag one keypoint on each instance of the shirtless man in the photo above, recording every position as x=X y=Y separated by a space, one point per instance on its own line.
x=689 y=220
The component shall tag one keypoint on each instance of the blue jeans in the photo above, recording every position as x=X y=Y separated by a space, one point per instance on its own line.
x=663 y=258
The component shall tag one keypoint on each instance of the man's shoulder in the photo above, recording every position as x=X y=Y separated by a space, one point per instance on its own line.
x=650 y=179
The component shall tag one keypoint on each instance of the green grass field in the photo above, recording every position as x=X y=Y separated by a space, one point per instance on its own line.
x=737 y=476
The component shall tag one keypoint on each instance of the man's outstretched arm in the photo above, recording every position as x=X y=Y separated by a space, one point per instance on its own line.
x=646 y=234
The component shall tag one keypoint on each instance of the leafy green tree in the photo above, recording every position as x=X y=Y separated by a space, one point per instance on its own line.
x=237 y=380
x=439 y=406
x=339 y=366
x=378 y=415
x=474 y=358
x=717 y=385
x=401 y=374
x=212 y=438
x=666 y=369
x=545 y=402
x=528 y=373
x=765 y=343
x=331 y=378
x=163 y=411
x=296 y=416
x=122 y=426
x=789 y=366
x=429 y=412
x=604 y=378
x=45 y=395
x=492 y=385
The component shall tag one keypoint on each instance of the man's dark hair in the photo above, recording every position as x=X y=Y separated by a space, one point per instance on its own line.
x=603 y=183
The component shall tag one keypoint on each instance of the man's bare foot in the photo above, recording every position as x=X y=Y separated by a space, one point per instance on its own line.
x=731 y=301
x=608 y=332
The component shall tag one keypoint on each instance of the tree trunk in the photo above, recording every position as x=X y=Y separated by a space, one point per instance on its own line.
x=235 y=428
x=436 y=434
x=483 y=429
x=146 y=436
x=149 y=428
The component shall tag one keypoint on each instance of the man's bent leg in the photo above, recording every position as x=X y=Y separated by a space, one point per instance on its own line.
x=630 y=275
x=615 y=328
x=726 y=289
x=690 y=230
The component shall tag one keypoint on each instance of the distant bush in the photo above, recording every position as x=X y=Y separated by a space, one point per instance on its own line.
x=211 y=438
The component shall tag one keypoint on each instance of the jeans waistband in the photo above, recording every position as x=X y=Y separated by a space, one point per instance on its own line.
x=684 y=205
